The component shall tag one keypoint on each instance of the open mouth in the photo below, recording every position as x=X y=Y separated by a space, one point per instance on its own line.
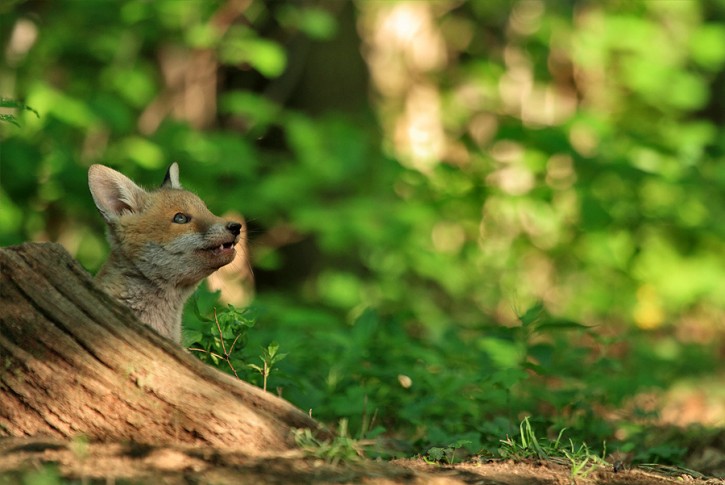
x=223 y=247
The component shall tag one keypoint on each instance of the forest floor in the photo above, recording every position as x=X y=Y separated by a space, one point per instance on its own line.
x=49 y=462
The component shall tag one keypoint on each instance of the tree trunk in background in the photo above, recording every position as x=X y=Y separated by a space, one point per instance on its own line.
x=74 y=362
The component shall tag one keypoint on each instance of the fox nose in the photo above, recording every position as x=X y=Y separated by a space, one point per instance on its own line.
x=234 y=227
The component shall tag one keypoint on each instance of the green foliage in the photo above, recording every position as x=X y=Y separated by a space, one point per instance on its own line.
x=447 y=454
x=528 y=445
x=341 y=448
x=270 y=357
x=220 y=340
x=14 y=104
x=580 y=459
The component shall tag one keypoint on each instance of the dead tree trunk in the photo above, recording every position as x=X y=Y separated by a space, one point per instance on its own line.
x=74 y=362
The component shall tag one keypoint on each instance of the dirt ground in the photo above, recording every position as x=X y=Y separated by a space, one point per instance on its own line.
x=29 y=461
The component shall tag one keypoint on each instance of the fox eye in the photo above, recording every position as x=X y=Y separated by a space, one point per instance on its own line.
x=180 y=218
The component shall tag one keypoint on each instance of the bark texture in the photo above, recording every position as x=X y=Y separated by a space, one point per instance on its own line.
x=75 y=362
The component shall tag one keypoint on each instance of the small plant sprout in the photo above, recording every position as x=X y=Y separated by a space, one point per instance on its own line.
x=341 y=448
x=528 y=445
x=581 y=460
x=446 y=454
x=269 y=358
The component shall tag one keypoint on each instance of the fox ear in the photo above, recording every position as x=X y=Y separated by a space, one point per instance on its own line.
x=171 y=180
x=114 y=193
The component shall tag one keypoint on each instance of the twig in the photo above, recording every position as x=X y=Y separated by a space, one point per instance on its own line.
x=213 y=354
x=231 y=349
x=221 y=335
x=226 y=356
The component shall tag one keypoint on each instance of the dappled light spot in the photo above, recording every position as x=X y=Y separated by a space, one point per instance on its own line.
x=22 y=38
x=648 y=312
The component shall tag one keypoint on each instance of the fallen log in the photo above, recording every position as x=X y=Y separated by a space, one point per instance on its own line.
x=73 y=362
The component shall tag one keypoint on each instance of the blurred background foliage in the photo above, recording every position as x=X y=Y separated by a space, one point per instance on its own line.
x=415 y=177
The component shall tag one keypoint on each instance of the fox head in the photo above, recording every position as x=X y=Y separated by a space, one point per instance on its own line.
x=167 y=235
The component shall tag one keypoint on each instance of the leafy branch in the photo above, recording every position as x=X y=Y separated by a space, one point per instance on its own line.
x=14 y=104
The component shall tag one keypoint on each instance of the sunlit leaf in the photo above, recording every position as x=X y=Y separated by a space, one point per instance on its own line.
x=708 y=45
x=505 y=354
x=144 y=152
x=241 y=47
x=315 y=22
x=532 y=314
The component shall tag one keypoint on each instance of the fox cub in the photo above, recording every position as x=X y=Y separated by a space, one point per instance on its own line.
x=163 y=243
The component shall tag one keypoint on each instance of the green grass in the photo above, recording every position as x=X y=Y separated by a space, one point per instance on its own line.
x=341 y=448
x=581 y=460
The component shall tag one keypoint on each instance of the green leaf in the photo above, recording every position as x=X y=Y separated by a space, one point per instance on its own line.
x=504 y=353
x=507 y=378
x=278 y=358
x=9 y=119
x=708 y=45
x=144 y=152
x=13 y=103
x=266 y=56
x=254 y=107
x=197 y=311
x=272 y=349
x=532 y=314
x=192 y=336
x=460 y=444
x=436 y=453
x=315 y=22
x=560 y=324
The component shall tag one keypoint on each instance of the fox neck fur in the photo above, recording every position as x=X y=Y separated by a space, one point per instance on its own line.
x=156 y=303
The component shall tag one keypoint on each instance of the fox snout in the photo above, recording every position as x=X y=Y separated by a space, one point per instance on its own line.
x=214 y=247
x=234 y=227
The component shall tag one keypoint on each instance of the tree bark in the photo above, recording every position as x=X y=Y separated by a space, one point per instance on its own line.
x=75 y=362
